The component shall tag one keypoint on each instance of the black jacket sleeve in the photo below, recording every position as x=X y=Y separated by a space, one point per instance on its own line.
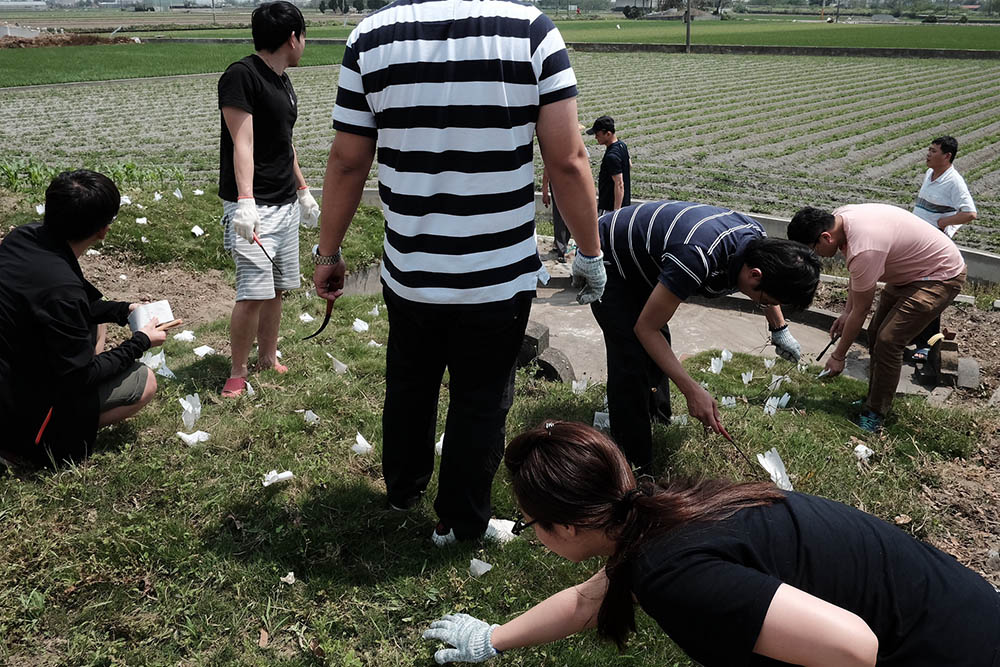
x=102 y=311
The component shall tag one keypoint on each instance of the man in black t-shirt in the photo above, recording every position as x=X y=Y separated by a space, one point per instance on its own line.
x=259 y=183
x=614 y=181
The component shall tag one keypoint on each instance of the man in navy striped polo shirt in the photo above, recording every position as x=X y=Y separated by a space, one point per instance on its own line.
x=453 y=92
x=659 y=254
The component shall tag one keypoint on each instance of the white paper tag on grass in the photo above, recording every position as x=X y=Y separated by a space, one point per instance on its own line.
x=198 y=192
x=192 y=439
x=178 y=193
x=478 y=568
x=775 y=467
x=310 y=417
x=40 y=209
x=157 y=196
x=187 y=336
x=191 y=405
x=93 y=253
x=197 y=231
x=359 y=325
x=141 y=221
x=439 y=445
x=306 y=317
x=274 y=477
x=202 y=350
x=361 y=446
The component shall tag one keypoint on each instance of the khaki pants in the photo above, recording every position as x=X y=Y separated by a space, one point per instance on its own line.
x=903 y=312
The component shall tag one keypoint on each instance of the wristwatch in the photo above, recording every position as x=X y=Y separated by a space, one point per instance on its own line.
x=323 y=260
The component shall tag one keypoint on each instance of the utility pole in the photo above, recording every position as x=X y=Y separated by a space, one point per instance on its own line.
x=687 y=33
x=213 y=13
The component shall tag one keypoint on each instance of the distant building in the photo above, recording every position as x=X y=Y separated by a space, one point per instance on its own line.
x=21 y=4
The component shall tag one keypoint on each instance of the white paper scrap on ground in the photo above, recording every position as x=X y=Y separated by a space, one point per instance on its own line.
x=40 y=209
x=277 y=353
x=769 y=363
x=803 y=367
x=339 y=367
x=145 y=312
x=187 y=336
x=703 y=384
x=728 y=401
x=602 y=421
x=679 y=420
x=191 y=405
x=783 y=401
x=290 y=577
x=823 y=373
x=92 y=252
x=439 y=445
x=158 y=363
x=197 y=231
x=771 y=406
x=500 y=530
x=478 y=568
x=125 y=200
x=775 y=467
x=250 y=391
x=124 y=277
x=359 y=325
x=274 y=477
x=202 y=350
x=306 y=317
x=310 y=417
x=863 y=453
x=199 y=192
x=144 y=239
x=776 y=381
x=178 y=194
x=141 y=221
x=372 y=343
x=157 y=196
x=140 y=207
x=192 y=439
x=727 y=355
x=374 y=311
x=747 y=377
x=361 y=446
x=716 y=365
x=579 y=386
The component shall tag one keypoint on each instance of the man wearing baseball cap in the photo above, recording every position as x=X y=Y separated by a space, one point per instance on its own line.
x=614 y=183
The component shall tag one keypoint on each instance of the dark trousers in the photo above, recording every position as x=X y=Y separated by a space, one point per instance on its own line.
x=931 y=330
x=637 y=389
x=479 y=348
x=559 y=229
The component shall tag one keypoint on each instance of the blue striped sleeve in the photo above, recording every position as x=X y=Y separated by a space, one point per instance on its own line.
x=683 y=270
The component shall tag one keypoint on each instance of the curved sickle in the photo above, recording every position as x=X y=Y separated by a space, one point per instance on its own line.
x=326 y=320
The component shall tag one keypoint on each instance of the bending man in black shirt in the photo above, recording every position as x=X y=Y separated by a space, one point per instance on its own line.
x=735 y=574
x=56 y=389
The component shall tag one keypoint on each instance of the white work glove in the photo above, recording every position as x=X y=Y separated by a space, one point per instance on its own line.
x=308 y=208
x=469 y=636
x=589 y=273
x=785 y=344
x=246 y=222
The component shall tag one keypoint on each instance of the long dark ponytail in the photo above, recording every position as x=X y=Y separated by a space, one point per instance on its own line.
x=569 y=473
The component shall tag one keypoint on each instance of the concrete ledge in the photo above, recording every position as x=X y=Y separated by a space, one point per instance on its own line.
x=739 y=49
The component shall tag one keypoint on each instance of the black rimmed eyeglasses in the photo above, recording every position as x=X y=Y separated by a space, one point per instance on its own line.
x=521 y=524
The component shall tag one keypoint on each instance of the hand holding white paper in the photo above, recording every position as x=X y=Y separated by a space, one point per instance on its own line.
x=274 y=477
x=359 y=325
x=192 y=439
x=775 y=467
x=145 y=312
x=361 y=446
x=478 y=568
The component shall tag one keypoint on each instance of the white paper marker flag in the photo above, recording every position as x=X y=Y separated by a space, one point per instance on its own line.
x=310 y=417
x=716 y=365
x=776 y=381
x=199 y=192
x=803 y=367
x=192 y=439
x=141 y=221
x=728 y=401
x=769 y=363
x=374 y=311
x=727 y=355
x=602 y=421
x=679 y=420
x=40 y=209
x=306 y=317
x=191 y=404
x=274 y=477
x=747 y=377
x=439 y=445
x=125 y=200
x=771 y=406
x=372 y=343
x=197 y=231
x=158 y=363
x=478 y=568
x=92 y=252
x=863 y=453
x=140 y=207
x=157 y=196
x=122 y=277
x=359 y=325
x=202 y=350
x=144 y=239
x=250 y=391
x=783 y=401
x=775 y=467
x=187 y=336
x=361 y=445
x=339 y=367
x=290 y=577
x=500 y=530
x=579 y=386
x=178 y=194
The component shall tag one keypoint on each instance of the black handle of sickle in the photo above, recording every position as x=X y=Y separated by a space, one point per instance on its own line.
x=832 y=341
x=326 y=320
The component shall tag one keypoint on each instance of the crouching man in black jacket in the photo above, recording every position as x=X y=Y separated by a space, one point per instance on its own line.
x=57 y=385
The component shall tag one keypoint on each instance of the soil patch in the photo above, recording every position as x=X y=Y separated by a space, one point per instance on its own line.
x=59 y=40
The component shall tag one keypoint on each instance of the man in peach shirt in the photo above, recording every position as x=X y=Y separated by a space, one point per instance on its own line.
x=923 y=272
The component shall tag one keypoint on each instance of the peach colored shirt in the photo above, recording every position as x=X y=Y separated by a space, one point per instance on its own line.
x=891 y=244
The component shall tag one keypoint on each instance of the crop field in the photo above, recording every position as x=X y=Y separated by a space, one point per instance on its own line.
x=760 y=134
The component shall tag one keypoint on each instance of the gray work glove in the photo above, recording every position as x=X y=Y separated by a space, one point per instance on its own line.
x=785 y=344
x=589 y=273
x=308 y=208
x=469 y=636
x=246 y=222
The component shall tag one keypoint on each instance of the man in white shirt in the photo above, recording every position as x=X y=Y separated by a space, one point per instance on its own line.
x=945 y=202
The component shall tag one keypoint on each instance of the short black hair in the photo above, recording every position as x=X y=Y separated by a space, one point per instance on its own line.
x=808 y=223
x=947 y=145
x=272 y=23
x=789 y=270
x=78 y=204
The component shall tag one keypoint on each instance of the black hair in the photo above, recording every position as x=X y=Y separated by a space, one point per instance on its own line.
x=947 y=145
x=570 y=473
x=790 y=270
x=272 y=23
x=808 y=223
x=78 y=204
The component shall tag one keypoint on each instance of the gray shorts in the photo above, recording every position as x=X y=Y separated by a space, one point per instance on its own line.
x=123 y=389
x=256 y=278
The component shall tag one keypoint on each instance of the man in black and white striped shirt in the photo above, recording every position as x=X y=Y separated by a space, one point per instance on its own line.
x=453 y=92
x=659 y=254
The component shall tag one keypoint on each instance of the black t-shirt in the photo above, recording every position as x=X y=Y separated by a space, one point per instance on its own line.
x=709 y=585
x=249 y=84
x=616 y=161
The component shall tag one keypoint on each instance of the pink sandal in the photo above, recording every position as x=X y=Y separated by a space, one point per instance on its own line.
x=234 y=387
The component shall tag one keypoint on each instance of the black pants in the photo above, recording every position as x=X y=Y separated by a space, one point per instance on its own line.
x=929 y=332
x=559 y=229
x=637 y=389
x=479 y=348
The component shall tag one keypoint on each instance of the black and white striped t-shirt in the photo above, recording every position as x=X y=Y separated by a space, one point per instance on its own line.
x=451 y=89
x=689 y=248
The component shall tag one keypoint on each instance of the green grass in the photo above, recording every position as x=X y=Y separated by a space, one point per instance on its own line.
x=21 y=67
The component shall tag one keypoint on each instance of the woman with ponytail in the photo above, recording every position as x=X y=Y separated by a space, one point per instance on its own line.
x=736 y=574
